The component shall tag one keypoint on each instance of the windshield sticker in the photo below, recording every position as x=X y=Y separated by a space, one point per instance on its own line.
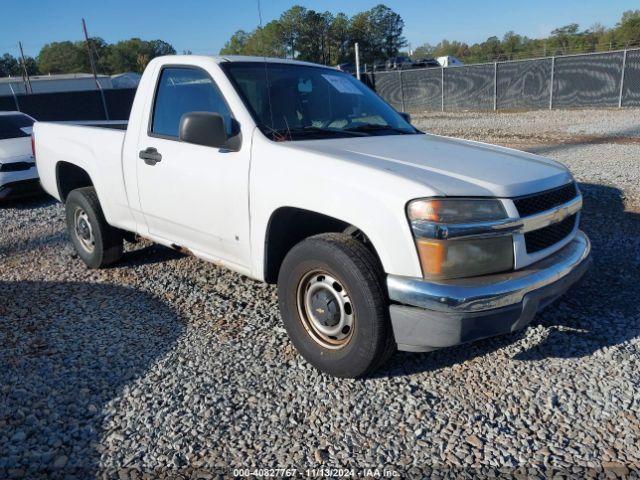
x=342 y=84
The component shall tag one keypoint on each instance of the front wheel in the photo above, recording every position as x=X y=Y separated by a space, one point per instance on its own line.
x=334 y=306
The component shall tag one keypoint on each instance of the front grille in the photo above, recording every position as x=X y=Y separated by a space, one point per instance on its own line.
x=539 y=202
x=16 y=166
x=545 y=237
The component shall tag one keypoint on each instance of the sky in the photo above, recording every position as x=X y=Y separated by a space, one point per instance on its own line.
x=203 y=26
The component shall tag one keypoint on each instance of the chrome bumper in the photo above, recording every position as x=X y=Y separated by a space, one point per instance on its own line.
x=490 y=291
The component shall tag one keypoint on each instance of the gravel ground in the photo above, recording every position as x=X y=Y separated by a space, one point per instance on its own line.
x=166 y=364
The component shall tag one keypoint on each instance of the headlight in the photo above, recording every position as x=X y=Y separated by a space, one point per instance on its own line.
x=456 y=210
x=443 y=257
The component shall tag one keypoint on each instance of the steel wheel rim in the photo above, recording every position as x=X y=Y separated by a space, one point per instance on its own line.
x=325 y=309
x=83 y=230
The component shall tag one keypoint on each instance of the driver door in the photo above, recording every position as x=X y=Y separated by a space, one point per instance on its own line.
x=191 y=195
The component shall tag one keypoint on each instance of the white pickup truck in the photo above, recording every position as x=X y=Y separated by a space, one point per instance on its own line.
x=379 y=236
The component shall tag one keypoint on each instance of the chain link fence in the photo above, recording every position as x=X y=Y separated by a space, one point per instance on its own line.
x=610 y=79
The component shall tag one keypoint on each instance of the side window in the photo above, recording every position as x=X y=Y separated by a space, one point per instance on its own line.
x=183 y=90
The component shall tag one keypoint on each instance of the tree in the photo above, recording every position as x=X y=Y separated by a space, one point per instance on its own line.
x=292 y=24
x=561 y=38
x=339 y=39
x=322 y=37
x=134 y=54
x=314 y=43
x=628 y=31
x=360 y=33
x=61 y=57
x=327 y=38
x=267 y=41
x=237 y=44
x=606 y=41
x=31 y=64
x=386 y=31
x=492 y=48
x=99 y=50
x=511 y=44
x=126 y=56
x=9 y=66
x=453 y=48
x=423 y=51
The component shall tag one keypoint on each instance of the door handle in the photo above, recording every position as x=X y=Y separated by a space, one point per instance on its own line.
x=150 y=155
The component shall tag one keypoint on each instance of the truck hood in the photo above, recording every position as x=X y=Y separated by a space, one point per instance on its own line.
x=450 y=167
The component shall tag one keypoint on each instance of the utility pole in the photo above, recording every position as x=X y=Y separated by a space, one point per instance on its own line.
x=91 y=62
x=25 y=72
x=93 y=69
x=357 y=48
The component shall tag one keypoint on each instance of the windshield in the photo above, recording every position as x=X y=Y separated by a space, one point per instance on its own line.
x=299 y=102
x=15 y=126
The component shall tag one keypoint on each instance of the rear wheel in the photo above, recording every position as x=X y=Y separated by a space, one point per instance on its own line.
x=98 y=244
x=334 y=306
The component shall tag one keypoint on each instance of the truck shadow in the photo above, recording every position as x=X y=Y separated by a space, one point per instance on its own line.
x=147 y=254
x=66 y=351
x=601 y=311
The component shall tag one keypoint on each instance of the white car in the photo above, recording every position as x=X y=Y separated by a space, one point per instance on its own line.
x=378 y=235
x=18 y=173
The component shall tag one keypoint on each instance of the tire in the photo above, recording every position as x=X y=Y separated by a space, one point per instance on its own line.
x=101 y=244
x=319 y=275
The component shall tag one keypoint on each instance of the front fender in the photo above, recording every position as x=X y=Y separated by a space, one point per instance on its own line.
x=374 y=201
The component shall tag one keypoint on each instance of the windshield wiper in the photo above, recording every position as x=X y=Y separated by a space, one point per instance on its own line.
x=289 y=133
x=376 y=127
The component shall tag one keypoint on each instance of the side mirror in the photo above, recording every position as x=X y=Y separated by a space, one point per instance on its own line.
x=203 y=128
x=405 y=116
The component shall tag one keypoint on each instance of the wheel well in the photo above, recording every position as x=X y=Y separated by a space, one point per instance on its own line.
x=288 y=226
x=69 y=177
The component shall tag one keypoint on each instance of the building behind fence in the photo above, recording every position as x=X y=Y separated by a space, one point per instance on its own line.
x=610 y=79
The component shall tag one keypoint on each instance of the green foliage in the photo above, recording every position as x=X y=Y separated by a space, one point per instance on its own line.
x=386 y=31
x=322 y=37
x=11 y=66
x=236 y=44
x=628 y=31
x=563 y=40
x=73 y=57
x=134 y=54
x=423 y=51
x=61 y=57
x=328 y=38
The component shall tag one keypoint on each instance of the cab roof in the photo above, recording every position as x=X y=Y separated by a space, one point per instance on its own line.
x=238 y=58
x=246 y=58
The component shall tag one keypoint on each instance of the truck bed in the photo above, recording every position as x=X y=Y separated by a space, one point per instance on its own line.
x=112 y=124
x=96 y=147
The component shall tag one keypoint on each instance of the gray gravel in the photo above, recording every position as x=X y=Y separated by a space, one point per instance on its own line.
x=167 y=364
x=536 y=125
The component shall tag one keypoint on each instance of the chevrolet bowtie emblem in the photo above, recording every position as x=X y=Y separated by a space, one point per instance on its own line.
x=320 y=310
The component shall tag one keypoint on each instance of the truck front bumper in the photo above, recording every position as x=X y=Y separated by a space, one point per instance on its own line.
x=428 y=315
